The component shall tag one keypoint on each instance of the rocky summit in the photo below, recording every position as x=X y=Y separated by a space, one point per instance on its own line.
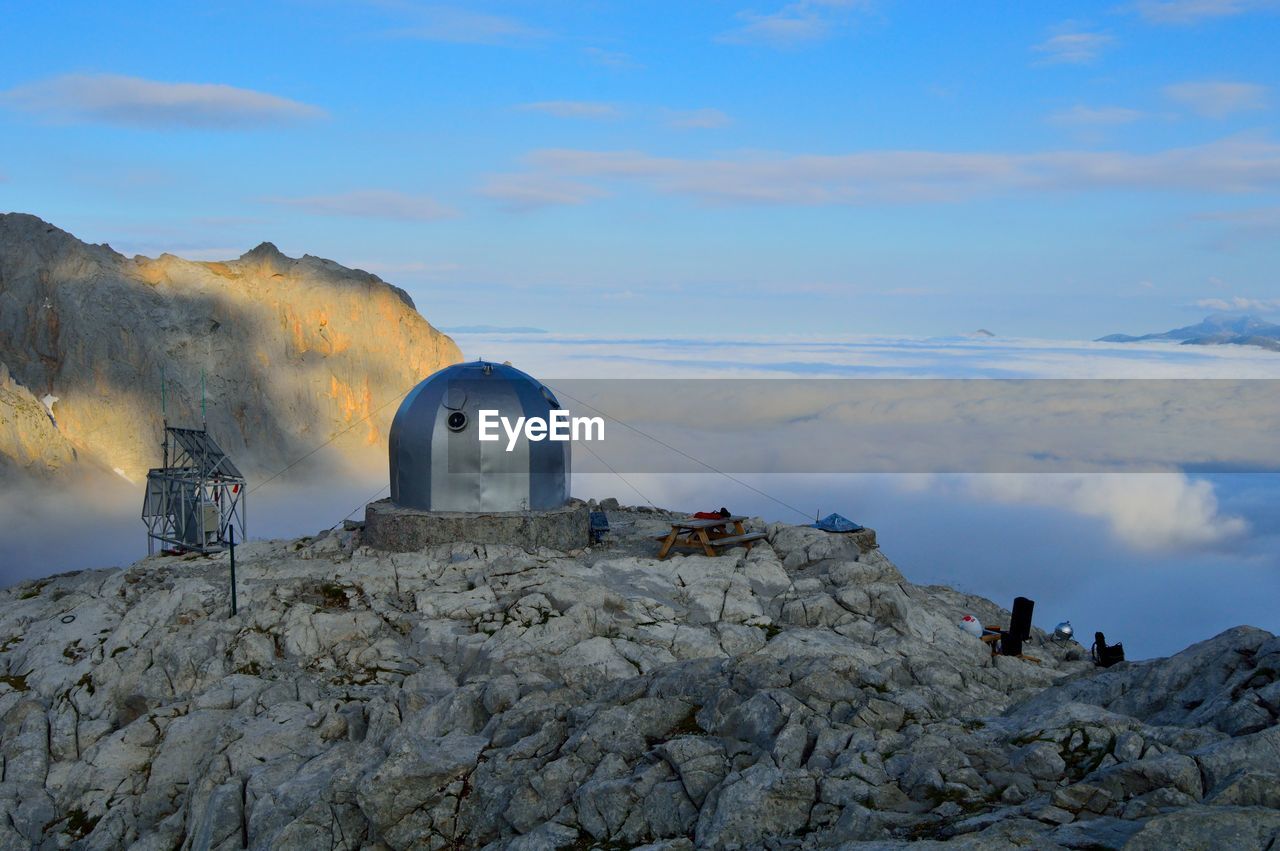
x=803 y=695
x=293 y=352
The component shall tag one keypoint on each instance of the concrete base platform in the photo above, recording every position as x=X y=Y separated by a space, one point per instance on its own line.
x=388 y=526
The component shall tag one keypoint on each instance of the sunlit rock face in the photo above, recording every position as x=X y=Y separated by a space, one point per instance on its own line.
x=29 y=441
x=295 y=350
x=803 y=695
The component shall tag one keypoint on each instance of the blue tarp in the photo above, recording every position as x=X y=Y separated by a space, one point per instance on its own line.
x=836 y=523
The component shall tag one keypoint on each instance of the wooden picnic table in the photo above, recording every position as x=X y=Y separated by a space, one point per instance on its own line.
x=707 y=534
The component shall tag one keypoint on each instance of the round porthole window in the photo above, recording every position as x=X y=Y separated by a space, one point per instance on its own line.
x=457 y=421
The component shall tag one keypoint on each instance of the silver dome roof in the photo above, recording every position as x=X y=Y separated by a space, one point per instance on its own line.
x=438 y=462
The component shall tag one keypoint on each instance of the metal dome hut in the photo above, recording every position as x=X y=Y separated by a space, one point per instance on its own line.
x=449 y=486
x=439 y=464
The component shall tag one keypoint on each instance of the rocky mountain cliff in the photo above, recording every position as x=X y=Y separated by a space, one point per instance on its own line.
x=295 y=351
x=30 y=443
x=804 y=695
x=1215 y=330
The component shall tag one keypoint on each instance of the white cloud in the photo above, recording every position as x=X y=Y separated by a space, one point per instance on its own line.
x=1074 y=47
x=1241 y=303
x=532 y=191
x=595 y=110
x=1086 y=116
x=795 y=23
x=1244 y=226
x=115 y=99
x=747 y=356
x=698 y=119
x=1151 y=511
x=1148 y=511
x=615 y=59
x=371 y=204
x=1193 y=11
x=463 y=26
x=1262 y=217
x=895 y=176
x=1218 y=99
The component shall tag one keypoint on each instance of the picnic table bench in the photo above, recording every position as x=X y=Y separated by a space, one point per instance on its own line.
x=708 y=535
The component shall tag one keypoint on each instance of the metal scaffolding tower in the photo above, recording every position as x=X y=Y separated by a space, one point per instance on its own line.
x=195 y=499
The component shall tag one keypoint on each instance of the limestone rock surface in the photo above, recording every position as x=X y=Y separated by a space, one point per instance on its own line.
x=488 y=697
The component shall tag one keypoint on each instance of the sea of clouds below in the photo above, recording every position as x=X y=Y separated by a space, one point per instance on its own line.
x=1157 y=560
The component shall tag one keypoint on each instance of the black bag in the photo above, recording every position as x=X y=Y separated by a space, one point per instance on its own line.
x=1104 y=655
x=1019 y=627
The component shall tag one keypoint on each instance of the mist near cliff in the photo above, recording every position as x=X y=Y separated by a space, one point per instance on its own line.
x=47 y=531
x=1155 y=560
x=1156 y=600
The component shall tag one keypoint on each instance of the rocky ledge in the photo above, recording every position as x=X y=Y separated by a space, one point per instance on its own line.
x=803 y=695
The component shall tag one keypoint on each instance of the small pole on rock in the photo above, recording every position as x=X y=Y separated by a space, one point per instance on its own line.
x=164 y=413
x=233 y=569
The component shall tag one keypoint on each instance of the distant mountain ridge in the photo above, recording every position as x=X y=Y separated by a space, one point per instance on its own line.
x=294 y=352
x=1216 y=330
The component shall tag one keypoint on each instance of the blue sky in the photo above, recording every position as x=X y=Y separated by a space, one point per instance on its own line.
x=812 y=167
